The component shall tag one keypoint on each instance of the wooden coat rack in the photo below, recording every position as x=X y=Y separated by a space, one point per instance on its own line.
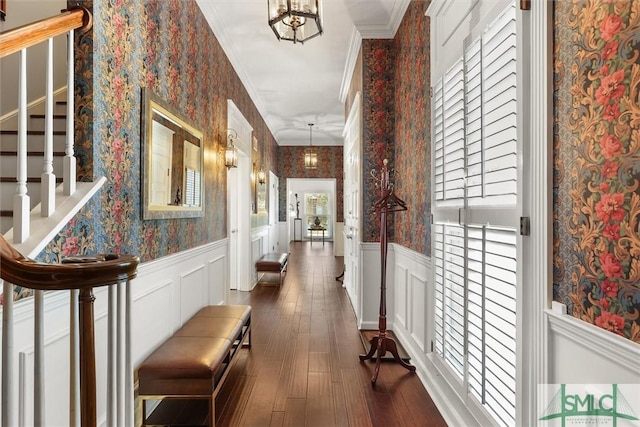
x=381 y=343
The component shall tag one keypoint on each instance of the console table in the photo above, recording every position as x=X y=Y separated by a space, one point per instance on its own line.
x=312 y=229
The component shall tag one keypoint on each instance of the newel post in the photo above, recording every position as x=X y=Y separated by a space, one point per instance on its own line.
x=87 y=359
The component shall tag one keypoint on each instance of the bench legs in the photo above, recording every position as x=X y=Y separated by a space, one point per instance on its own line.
x=144 y=422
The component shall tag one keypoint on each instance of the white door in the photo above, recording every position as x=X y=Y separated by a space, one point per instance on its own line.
x=239 y=202
x=274 y=188
x=352 y=205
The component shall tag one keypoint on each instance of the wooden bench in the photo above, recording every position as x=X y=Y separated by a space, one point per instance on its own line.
x=190 y=367
x=273 y=262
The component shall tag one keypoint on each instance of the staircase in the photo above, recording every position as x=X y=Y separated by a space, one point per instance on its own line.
x=39 y=195
x=33 y=135
x=35 y=154
x=43 y=226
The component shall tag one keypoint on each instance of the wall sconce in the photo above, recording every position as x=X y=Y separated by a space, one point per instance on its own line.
x=231 y=152
x=262 y=176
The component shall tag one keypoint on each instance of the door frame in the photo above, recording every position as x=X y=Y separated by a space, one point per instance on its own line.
x=239 y=202
x=352 y=135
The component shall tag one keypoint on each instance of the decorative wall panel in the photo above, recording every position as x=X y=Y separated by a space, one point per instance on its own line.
x=597 y=163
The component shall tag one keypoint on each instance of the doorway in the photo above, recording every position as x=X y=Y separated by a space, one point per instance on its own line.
x=306 y=189
x=238 y=201
x=274 y=209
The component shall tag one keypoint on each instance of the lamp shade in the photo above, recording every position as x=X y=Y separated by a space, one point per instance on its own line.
x=295 y=20
x=310 y=155
x=310 y=159
x=231 y=153
x=231 y=157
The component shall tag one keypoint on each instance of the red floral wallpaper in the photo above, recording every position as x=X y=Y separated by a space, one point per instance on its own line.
x=396 y=117
x=597 y=163
x=413 y=129
x=378 y=116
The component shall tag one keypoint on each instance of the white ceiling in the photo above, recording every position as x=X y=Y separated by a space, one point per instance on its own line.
x=293 y=85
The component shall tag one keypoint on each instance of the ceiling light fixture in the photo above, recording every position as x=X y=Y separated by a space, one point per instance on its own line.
x=231 y=152
x=295 y=20
x=310 y=155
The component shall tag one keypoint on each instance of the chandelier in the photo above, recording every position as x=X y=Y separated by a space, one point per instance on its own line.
x=295 y=20
x=310 y=155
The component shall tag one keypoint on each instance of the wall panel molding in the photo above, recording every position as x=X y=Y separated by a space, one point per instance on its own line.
x=612 y=349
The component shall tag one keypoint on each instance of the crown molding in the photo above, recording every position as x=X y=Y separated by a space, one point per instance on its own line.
x=388 y=30
x=223 y=37
x=355 y=42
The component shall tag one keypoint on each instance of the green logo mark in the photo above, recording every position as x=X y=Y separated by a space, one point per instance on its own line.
x=613 y=405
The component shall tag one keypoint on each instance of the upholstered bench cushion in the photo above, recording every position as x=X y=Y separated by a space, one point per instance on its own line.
x=241 y=312
x=183 y=366
x=211 y=327
x=272 y=261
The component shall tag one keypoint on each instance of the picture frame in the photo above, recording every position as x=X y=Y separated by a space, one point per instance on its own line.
x=172 y=151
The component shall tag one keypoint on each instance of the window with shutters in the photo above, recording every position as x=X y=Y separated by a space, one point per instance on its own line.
x=476 y=214
x=192 y=179
x=192 y=188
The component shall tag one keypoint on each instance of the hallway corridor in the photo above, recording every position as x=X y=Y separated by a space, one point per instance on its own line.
x=303 y=368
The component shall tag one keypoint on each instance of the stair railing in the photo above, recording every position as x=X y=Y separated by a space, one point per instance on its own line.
x=19 y=40
x=80 y=275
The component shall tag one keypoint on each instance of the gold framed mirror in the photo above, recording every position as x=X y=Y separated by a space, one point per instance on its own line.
x=172 y=162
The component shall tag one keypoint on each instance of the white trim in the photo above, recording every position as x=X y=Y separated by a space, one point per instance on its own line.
x=537 y=273
x=23 y=308
x=388 y=30
x=159 y=264
x=355 y=42
x=613 y=348
x=152 y=290
x=43 y=230
x=451 y=407
x=222 y=35
x=413 y=255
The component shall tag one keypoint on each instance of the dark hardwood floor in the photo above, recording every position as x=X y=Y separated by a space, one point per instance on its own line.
x=303 y=368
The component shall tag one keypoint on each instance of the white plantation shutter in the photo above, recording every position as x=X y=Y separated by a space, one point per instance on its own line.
x=438 y=142
x=453 y=108
x=499 y=112
x=475 y=244
x=474 y=97
x=192 y=188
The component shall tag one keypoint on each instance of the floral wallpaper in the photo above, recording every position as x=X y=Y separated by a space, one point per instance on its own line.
x=413 y=129
x=168 y=47
x=330 y=162
x=378 y=115
x=396 y=115
x=597 y=163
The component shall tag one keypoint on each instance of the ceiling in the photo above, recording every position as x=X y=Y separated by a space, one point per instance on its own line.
x=294 y=85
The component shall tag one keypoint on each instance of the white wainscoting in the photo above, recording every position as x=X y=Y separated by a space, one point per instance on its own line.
x=578 y=353
x=581 y=353
x=370 y=286
x=164 y=294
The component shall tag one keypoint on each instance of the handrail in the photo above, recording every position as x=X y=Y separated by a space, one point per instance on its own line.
x=74 y=273
x=83 y=273
x=16 y=39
